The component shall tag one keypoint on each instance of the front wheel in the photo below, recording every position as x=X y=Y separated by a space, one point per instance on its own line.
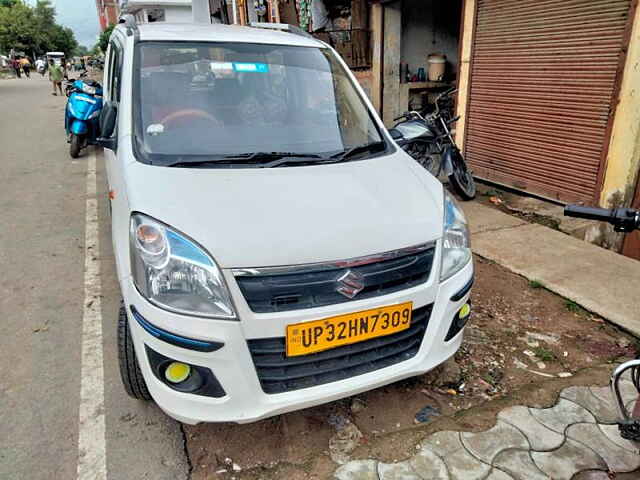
x=461 y=178
x=130 y=373
x=75 y=145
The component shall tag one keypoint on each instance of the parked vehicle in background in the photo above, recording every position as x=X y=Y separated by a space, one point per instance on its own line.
x=624 y=220
x=275 y=249
x=429 y=141
x=81 y=120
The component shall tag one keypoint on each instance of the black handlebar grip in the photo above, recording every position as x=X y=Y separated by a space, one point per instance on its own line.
x=590 y=213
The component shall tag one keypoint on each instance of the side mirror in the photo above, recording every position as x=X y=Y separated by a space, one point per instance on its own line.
x=395 y=134
x=108 y=118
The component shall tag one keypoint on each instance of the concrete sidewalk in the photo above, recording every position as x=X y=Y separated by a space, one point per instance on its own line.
x=599 y=280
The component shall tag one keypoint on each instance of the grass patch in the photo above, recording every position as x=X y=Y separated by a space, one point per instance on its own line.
x=572 y=306
x=536 y=284
x=544 y=354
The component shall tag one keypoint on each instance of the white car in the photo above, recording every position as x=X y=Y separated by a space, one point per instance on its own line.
x=274 y=248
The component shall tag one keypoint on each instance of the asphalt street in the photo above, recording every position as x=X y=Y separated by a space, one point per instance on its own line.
x=43 y=218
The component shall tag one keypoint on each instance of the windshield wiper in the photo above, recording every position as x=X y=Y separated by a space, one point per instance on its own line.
x=349 y=153
x=257 y=159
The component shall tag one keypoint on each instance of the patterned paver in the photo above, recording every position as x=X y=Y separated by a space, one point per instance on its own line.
x=540 y=437
x=575 y=439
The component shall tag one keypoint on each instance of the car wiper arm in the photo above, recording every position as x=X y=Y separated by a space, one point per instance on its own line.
x=258 y=159
x=358 y=150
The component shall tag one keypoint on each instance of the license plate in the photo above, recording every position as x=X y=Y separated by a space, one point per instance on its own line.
x=312 y=337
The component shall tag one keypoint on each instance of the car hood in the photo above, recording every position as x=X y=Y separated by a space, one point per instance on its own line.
x=254 y=217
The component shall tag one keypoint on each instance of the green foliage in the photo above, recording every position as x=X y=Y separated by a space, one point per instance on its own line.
x=81 y=51
x=536 y=284
x=572 y=306
x=545 y=355
x=33 y=30
x=103 y=41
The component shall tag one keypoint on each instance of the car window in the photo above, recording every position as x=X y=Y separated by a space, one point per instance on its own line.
x=115 y=73
x=225 y=99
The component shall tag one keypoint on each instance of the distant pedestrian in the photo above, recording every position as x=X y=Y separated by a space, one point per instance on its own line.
x=15 y=64
x=55 y=75
x=41 y=66
x=26 y=66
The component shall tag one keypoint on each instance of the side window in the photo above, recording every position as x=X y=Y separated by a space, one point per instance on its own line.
x=115 y=72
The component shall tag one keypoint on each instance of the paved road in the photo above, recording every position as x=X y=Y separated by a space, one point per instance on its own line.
x=42 y=258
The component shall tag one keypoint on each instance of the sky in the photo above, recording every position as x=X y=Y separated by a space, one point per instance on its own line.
x=79 y=15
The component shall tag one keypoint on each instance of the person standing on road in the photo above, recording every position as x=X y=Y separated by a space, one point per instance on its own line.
x=26 y=66
x=40 y=66
x=15 y=64
x=55 y=75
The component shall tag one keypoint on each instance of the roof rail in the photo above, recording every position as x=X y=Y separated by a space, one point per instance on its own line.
x=281 y=26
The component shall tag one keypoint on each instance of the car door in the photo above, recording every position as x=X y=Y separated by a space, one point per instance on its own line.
x=112 y=89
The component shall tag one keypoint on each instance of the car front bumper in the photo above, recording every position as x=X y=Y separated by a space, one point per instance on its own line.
x=244 y=400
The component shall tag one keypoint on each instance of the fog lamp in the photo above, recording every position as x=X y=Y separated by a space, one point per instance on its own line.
x=464 y=311
x=177 y=372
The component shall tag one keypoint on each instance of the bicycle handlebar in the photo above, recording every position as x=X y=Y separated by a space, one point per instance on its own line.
x=622 y=219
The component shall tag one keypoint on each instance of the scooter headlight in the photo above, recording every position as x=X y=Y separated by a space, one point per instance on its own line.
x=89 y=90
x=173 y=272
x=456 y=244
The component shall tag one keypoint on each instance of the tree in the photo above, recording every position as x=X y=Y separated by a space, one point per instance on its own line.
x=81 y=51
x=103 y=40
x=33 y=29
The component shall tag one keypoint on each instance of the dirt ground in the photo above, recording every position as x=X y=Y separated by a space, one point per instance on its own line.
x=523 y=345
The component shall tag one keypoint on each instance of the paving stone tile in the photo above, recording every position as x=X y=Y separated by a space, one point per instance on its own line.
x=486 y=445
x=572 y=457
x=443 y=443
x=461 y=465
x=519 y=465
x=428 y=465
x=627 y=389
x=396 y=471
x=613 y=434
x=618 y=459
x=358 y=470
x=561 y=415
x=603 y=410
x=464 y=466
x=592 y=475
x=540 y=437
x=498 y=475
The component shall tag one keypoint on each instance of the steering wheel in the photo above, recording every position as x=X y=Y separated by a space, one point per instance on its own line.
x=188 y=113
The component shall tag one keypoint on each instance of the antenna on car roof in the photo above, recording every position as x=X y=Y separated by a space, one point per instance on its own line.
x=281 y=26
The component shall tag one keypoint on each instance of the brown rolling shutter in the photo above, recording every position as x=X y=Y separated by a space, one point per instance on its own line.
x=543 y=77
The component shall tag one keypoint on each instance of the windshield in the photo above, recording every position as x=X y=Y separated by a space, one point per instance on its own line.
x=208 y=101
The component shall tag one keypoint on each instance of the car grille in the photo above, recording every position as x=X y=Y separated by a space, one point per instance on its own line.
x=307 y=289
x=278 y=373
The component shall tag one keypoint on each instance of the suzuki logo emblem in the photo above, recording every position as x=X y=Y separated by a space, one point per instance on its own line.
x=350 y=284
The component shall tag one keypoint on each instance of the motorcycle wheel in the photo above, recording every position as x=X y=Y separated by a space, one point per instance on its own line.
x=75 y=145
x=461 y=179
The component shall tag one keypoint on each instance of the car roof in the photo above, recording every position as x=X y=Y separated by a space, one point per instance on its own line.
x=222 y=33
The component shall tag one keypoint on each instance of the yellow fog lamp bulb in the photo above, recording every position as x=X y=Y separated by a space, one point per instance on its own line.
x=177 y=372
x=464 y=311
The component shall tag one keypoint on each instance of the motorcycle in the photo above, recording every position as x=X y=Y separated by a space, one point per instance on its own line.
x=82 y=113
x=429 y=141
x=624 y=220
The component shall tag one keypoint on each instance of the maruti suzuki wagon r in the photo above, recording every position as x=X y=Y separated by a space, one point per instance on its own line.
x=275 y=249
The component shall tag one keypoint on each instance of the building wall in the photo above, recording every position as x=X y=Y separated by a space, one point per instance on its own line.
x=430 y=26
x=623 y=158
x=464 y=73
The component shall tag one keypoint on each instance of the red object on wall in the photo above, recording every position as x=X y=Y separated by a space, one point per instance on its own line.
x=108 y=13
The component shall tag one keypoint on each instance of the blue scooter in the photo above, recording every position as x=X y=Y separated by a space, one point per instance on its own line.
x=81 y=119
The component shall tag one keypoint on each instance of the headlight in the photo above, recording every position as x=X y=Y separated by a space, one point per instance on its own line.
x=456 y=251
x=173 y=272
x=88 y=89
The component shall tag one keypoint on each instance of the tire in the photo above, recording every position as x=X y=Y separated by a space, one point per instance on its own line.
x=421 y=152
x=130 y=373
x=75 y=146
x=461 y=179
